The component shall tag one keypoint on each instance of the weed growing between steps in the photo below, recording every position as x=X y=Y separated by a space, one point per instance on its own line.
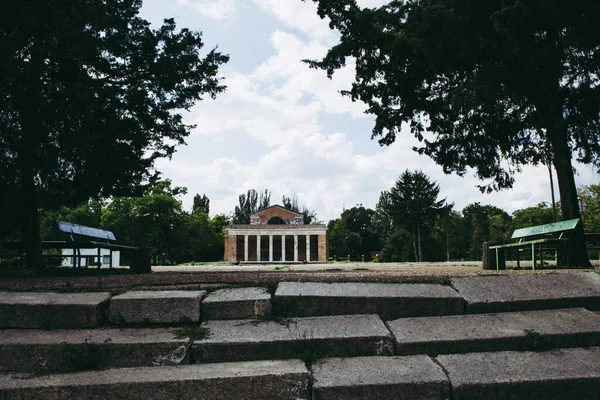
x=535 y=341
x=192 y=331
x=309 y=352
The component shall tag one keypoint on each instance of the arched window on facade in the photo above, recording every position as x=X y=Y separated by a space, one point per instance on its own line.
x=275 y=221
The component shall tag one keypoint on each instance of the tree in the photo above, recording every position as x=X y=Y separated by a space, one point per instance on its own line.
x=155 y=220
x=201 y=204
x=90 y=97
x=590 y=207
x=531 y=216
x=292 y=203
x=490 y=85
x=486 y=223
x=412 y=203
x=359 y=219
x=249 y=203
x=342 y=241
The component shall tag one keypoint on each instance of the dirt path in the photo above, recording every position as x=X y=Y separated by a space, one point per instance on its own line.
x=260 y=274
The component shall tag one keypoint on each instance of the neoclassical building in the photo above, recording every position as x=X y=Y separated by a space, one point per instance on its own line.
x=276 y=234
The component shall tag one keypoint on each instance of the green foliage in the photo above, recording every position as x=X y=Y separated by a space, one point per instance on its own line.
x=342 y=241
x=489 y=86
x=249 y=203
x=532 y=216
x=412 y=205
x=589 y=196
x=201 y=204
x=90 y=97
x=485 y=223
x=193 y=332
x=353 y=234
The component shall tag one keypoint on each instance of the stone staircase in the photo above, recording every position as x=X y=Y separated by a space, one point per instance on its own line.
x=488 y=337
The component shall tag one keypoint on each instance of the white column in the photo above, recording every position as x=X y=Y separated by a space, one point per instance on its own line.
x=258 y=248
x=245 y=247
x=282 y=247
x=270 y=247
x=307 y=247
x=296 y=248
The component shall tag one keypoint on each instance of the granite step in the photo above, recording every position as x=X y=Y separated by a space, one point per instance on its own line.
x=156 y=307
x=505 y=293
x=306 y=338
x=553 y=374
x=284 y=379
x=388 y=300
x=236 y=303
x=46 y=310
x=379 y=378
x=39 y=351
x=525 y=330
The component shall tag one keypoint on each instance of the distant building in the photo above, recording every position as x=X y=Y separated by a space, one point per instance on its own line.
x=89 y=257
x=276 y=234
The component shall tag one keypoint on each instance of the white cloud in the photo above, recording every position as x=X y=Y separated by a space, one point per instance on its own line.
x=301 y=16
x=276 y=111
x=216 y=9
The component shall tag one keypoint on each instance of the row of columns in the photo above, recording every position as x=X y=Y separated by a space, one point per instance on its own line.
x=258 y=237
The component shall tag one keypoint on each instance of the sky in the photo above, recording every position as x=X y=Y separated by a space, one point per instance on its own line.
x=284 y=127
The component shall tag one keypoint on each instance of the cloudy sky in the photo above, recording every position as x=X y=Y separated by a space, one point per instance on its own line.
x=284 y=127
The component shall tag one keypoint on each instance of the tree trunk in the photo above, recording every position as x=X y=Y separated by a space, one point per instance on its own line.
x=420 y=242
x=30 y=223
x=568 y=195
x=414 y=240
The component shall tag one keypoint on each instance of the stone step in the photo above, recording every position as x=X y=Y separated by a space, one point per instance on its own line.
x=502 y=293
x=156 y=307
x=305 y=338
x=285 y=379
x=553 y=374
x=238 y=303
x=389 y=301
x=38 y=351
x=374 y=378
x=524 y=330
x=45 y=310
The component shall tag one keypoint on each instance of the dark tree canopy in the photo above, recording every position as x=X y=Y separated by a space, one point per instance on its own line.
x=201 y=204
x=90 y=97
x=413 y=204
x=489 y=85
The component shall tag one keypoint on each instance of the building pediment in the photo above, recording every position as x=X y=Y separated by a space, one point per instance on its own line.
x=276 y=215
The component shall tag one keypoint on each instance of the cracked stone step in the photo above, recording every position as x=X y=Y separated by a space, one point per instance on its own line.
x=374 y=378
x=553 y=374
x=46 y=310
x=306 y=338
x=503 y=293
x=158 y=307
x=283 y=379
x=238 y=303
x=388 y=300
x=496 y=332
x=38 y=351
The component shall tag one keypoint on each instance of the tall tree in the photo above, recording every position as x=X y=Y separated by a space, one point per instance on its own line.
x=489 y=85
x=292 y=203
x=413 y=204
x=201 y=204
x=90 y=97
x=486 y=224
x=249 y=203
